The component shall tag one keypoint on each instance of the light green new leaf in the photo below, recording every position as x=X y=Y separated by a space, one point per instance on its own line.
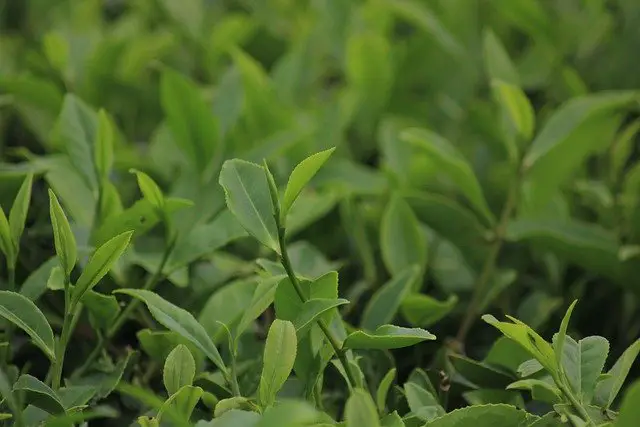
x=497 y=61
x=360 y=410
x=103 y=154
x=384 y=304
x=6 y=242
x=7 y=394
x=387 y=337
x=179 y=369
x=179 y=321
x=480 y=373
x=401 y=240
x=383 y=390
x=248 y=198
x=516 y=107
x=63 y=237
x=451 y=162
x=608 y=389
x=193 y=126
x=149 y=189
x=18 y=213
x=291 y=414
x=39 y=394
x=300 y=176
x=99 y=264
x=423 y=311
x=582 y=362
x=392 y=420
x=182 y=401
x=558 y=343
x=23 y=313
x=484 y=415
x=630 y=408
x=262 y=298
x=279 y=356
x=312 y=309
x=528 y=339
x=422 y=403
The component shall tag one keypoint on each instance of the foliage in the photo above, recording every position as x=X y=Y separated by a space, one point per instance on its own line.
x=295 y=213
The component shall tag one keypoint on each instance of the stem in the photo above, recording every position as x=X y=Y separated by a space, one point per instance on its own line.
x=11 y=277
x=484 y=280
x=337 y=347
x=233 y=380
x=149 y=285
x=64 y=337
x=576 y=404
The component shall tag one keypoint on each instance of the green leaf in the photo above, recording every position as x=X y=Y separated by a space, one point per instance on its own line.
x=451 y=162
x=158 y=344
x=387 y=337
x=312 y=309
x=182 y=401
x=385 y=302
x=103 y=309
x=149 y=189
x=39 y=394
x=103 y=155
x=7 y=394
x=608 y=389
x=516 y=107
x=383 y=390
x=262 y=298
x=630 y=408
x=99 y=264
x=528 y=339
x=6 y=242
x=497 y=61
x=401 y=241
x=540 y=390
x=423 y=311
x=392 y=420
x=558 y=343
x=484 y=415
x=179 y=369
x=360 y=410
x=300 y=177
x=290 y=414
x=279 y=356
x=23 y=313
x=179 y=321
x=422 y=403
x=247 y=195
x=481 y=374
x=64 y=239
x=18 y=213
x=491 y=396
x=288 y=304
x=190 y=119
x=583 y=362
x=36 y=284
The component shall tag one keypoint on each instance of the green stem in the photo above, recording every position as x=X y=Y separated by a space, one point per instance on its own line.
x=11 y=277
x=149 y=285
x=337 y=347
x=64 y=337
x=484 y=280
x=233 y=380
x=576 y=404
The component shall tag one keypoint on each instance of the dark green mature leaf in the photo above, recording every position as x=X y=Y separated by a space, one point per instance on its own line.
x=23 y=313
x=630 y=408
x=484 y=415
x=422 y=403
x=99 y=264
x=453 y=164
x=401 y=241
x=64 y=239
x=6 y=242
x=541 y=390
x=179 y=369
x=247 y=195
x=192 y=124
x=608 y=389
x=423 y=311
x=178 y=320
x=387 y=337
x=360 y=410
x=18 y=213
x=36 y=284
x=103 y=309
x=479 y=373
x=384 y=304
x=39 y=394
x=312 y=309
x=279 y=356
x=158 y=344
x=299 y=178
x=497 y=61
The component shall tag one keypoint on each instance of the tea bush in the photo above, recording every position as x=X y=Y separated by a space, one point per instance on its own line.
x=281 y=213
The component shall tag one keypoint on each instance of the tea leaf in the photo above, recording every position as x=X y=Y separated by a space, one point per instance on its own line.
x=179 y=369
x=360 y=410
x=179 y=321
x=18 y=213
x=516 y=107
x=423 y=311
x=401 y=241
x=103 y=155
x=6 y=242
x=481 y=374
x=262 y=298
x=64 y=239
x=562 y=334
x=422 y=403
x=384 y=304
x=312 y=309
x=99 y=264
x=39 y=394
x=453 y=164
x=497 y=61
x=299 y=178
x=279 y=356
x=387 y=337
x=247 y=195
x=630 y=408
x=608 y=389
x=182 y=401
x=23 y=313
x=149 y=189
x=583 y=362
x=383 y=390
x=484 y=415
